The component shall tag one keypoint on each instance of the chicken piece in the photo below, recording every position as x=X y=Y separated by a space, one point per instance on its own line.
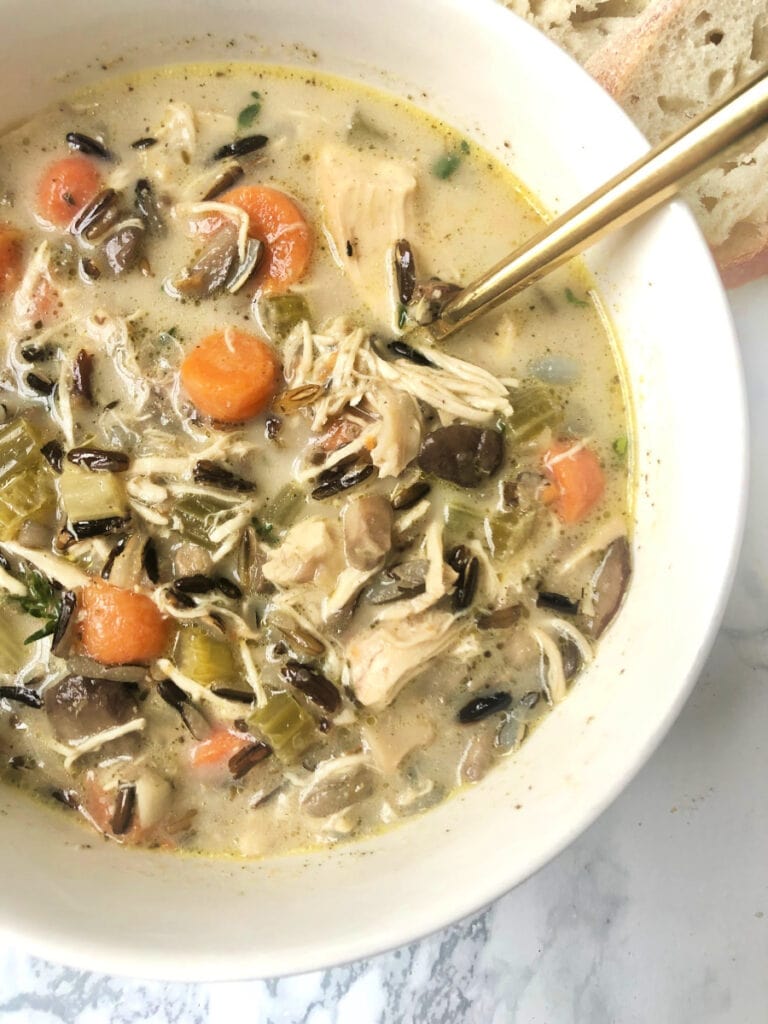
x=399 y=430
x=388 y=655
x=367 y=204
x=312 y=552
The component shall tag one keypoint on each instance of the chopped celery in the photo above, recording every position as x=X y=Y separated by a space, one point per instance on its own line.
x=280 y=513
x=462 y=523
x=26 y=483
x=281 y=313
x=203 y=657
x=286 y=725
x=14 y=653
x=195 y=515
x=88 y=495
x=508 y=532
x=535 y=408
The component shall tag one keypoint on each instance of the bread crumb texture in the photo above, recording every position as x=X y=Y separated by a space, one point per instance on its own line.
x=665 y=62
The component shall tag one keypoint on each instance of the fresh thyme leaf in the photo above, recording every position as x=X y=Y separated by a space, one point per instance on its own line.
x=42 y=601
x=248 y=114
x=446 y=165
x=620 y=446
x=264 y=531
x=573 y=299
x=402 y=316
x=464 y=147
x=48 y=630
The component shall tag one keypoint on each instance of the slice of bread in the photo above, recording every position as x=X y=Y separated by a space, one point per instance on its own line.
x=666 y=61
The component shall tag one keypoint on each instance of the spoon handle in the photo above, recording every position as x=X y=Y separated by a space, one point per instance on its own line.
x=641 y=186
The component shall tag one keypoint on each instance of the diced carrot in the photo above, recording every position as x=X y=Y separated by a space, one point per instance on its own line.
x=119 y=627
x=231 y=375
x=11 y=255
x=65 y=187
x=577 y=480
x=217 y=749
x=277 y=221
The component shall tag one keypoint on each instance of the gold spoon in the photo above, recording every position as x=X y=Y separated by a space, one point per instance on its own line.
x=644 y=184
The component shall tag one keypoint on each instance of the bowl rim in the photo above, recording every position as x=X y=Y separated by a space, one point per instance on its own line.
x=676 y=217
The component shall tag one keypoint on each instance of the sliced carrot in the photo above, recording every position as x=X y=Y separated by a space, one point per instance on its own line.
x=577 y=480
x=231 y=375
x=119 y=627
x=277 y=221
x=11 y=256
x=65 y=187
x=218 y=748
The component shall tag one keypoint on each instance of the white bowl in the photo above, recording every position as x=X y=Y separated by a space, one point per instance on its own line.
x=71 y=897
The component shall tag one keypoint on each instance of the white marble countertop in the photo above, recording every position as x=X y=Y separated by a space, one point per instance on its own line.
x=659 y=912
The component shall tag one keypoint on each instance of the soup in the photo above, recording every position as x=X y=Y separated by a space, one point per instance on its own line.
x=277 y=569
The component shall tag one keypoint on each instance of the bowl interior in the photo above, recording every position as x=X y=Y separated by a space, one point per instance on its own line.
x=84 y=901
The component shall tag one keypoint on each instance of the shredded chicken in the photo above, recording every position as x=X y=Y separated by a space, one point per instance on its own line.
x=311 y=552
x=388 y=655
x=367 y=202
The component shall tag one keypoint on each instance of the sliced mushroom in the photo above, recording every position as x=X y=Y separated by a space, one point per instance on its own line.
x=463 y=454
x=338 y=789
x=209 y=274
x=428 y=299
x=609 y=585
x=367 y=530
x=98 y=216
x=405 y=580
x=254 y=252
x=122 y=250
x=80 y=706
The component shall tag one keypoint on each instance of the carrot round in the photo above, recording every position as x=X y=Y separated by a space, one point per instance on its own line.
x=577 y=480
x=120 y=627
x=231 y=375
x=65 y=187
x=218 y=748
x=277 y=221
x=11 y=255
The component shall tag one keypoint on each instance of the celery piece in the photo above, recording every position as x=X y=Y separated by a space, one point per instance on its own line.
x=509 y=532
x=26 y=482
x=286 y=725
x=19 y=448
x=88 y=495
x=535 y=408
x=285 y=506
x=14 y=653
x=203 y=657
x=281 y=313
x=195 y=515
x=462 y=523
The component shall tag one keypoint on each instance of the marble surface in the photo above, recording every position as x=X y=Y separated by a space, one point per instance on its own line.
x=659 y=912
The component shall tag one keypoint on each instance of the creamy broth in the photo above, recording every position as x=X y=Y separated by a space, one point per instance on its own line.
x=285 y=611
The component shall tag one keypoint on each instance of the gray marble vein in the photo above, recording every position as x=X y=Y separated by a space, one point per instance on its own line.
x=658 y=913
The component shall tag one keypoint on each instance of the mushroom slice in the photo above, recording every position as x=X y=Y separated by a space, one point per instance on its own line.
x=367 y=530
x=254 y=251
x=609 y=585
x=211 y=271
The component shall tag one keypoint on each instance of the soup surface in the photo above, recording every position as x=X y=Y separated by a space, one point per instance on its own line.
x=277 y=569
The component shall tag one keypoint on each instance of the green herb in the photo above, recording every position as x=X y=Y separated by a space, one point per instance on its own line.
x=464 y=147
x=42 y=601
x=248 y=114
x=574 y=301
x=402 y=316
x=445 y=165
x=620 y=446
x=264 y=531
